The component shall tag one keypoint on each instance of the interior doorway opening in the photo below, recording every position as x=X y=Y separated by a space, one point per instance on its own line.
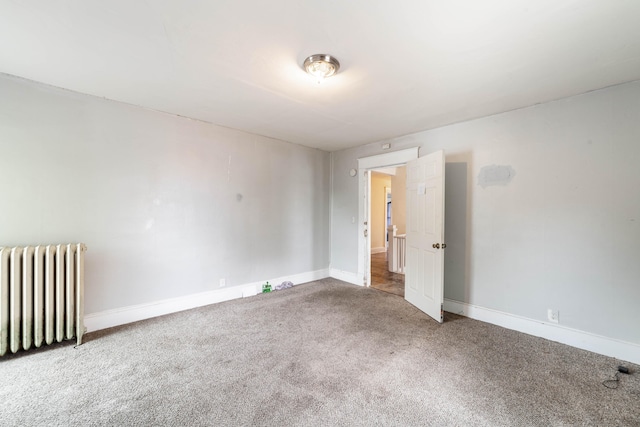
x=365 y=166
x=387 y=228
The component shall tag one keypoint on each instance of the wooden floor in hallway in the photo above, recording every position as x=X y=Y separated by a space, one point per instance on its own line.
x=384 y=280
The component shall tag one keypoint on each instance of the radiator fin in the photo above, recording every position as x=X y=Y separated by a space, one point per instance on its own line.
x=15 y=295
x=27 y=296
x=4 y=300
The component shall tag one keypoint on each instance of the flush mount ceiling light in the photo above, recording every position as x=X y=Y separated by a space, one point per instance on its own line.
x=321 y=66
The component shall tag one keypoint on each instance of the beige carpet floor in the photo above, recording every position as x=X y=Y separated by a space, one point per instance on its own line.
x=320 y=354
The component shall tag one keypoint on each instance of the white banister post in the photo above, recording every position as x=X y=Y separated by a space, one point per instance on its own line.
x=401 y=248
x=391 y=249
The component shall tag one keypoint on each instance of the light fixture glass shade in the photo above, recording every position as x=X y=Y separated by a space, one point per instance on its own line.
x=321 y=66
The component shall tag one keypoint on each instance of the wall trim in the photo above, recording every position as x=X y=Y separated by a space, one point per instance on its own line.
x=378 y=250
x=346 y=276
x=611 y=347
x=391 y=158
x=133 y=313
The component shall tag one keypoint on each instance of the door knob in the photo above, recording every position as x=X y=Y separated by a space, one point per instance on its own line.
x=436 y=246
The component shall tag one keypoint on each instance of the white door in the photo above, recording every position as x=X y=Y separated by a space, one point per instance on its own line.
x=424 y=274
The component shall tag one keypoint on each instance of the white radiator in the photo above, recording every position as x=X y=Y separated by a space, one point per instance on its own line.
x=41 y=295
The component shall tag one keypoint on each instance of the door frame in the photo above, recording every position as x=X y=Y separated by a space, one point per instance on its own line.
x=365 y=165
x=387 y=216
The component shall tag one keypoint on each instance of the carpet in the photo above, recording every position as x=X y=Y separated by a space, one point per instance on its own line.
x=320 y=354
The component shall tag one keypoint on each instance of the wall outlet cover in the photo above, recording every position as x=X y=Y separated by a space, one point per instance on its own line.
x=553 y=315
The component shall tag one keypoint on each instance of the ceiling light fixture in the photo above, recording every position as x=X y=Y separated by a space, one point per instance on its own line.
x=321 y=66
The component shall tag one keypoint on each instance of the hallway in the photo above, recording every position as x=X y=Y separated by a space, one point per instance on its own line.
x=384 y=280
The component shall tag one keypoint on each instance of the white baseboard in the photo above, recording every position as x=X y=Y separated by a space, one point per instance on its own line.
x=346 y=276
x=587 y=341
x=133 y=313
x=378 y=250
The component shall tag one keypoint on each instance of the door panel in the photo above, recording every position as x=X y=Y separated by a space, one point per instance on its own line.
x=428 y=210
x=412 y=266
x=429 y=267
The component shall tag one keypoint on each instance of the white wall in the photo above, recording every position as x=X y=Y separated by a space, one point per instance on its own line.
x=166 y=205
x=564 y=233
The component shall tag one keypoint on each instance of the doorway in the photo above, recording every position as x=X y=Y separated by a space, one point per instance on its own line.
x=365 y=166
x=387 y=228
x=424 y=284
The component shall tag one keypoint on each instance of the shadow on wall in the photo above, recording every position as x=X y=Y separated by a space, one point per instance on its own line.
x=455 y=260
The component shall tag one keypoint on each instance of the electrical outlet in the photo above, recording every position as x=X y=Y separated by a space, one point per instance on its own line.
x=223 y=283
x=553 y=315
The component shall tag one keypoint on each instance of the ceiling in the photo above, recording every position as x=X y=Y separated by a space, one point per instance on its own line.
x=406 y=66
